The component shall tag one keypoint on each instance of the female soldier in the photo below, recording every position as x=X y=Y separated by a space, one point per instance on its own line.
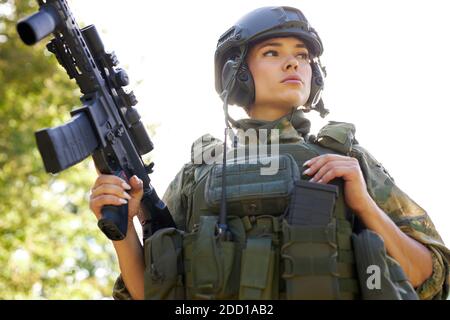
x=269 y=64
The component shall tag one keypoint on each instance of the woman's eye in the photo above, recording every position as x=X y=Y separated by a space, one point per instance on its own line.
x=273 y=53
x=270 y=53
x=303 y=56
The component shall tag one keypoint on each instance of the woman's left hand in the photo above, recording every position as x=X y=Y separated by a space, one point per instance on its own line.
x=327 y=167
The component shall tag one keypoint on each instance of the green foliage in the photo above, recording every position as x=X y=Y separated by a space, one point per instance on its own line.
x=50 y=246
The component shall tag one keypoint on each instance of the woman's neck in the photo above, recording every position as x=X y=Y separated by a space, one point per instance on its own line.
x=267 y=113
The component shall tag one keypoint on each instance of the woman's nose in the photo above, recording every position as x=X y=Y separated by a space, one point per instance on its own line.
x=291 y=63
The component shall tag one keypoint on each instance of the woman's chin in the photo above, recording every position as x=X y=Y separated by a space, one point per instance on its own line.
x=294 y=101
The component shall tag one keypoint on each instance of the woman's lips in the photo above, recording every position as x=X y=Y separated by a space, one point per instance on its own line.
x=292 y=81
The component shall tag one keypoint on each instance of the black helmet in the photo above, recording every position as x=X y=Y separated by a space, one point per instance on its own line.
x=233 y=80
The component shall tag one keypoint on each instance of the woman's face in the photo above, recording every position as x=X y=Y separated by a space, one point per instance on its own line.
x=281 y=71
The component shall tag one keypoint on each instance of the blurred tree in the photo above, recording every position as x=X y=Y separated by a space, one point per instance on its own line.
x=50 y=246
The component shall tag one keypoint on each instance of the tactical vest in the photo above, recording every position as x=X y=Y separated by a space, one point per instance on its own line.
x=291 y=239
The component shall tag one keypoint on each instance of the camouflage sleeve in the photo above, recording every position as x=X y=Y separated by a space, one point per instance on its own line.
x=410 y=218
x=120 y=291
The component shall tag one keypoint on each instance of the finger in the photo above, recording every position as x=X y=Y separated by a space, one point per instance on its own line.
x=316 y=163
x=310 y=161
x=324 y=158
x=111 y=189
x=136 y=186
x=320 y=161
x=106 y=199
x=96 y=203
x=111 y=179
x=326 y=167
x=136 y=193
x=135 y=182
x=336 y=172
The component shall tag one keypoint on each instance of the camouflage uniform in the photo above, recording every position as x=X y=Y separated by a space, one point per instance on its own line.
x=406 y=214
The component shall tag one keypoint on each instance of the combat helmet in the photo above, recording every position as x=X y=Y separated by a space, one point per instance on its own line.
x=233 y=80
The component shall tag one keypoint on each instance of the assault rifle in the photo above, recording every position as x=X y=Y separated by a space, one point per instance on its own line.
x=106 y=126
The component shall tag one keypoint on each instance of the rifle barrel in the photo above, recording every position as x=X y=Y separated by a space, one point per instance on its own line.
x=38 y=25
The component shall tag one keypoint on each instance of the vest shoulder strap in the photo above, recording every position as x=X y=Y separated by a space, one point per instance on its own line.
x=337 y=136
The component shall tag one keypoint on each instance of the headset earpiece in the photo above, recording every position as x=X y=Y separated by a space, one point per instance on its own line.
x=317 y=84
x=242 y=89
x=317 y=76
x=315 y=101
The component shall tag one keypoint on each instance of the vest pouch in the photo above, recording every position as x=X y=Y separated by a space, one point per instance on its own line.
x=310 y=262
x=312 y=204
x=257 y=270
x=260 y=265
x=163 y=275
x=380 y=276
x=212 y=264
x=250 y=188
x=309 y=249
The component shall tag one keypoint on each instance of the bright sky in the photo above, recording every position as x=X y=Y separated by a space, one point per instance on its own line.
x=387 y=64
